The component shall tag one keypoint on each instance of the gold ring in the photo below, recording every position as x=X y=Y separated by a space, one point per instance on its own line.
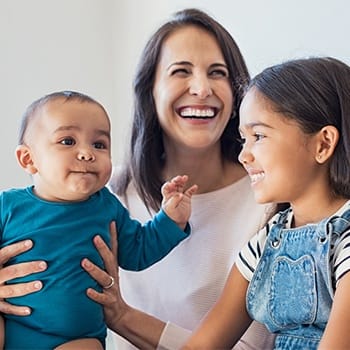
x=111 y=284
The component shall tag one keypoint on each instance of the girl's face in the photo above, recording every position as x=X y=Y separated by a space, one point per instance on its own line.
x=192 y=90
x=278 y=156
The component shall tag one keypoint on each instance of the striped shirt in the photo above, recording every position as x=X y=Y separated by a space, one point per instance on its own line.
x=339 y=250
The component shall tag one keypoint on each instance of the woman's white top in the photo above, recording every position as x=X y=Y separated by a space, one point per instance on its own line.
x=182 y=287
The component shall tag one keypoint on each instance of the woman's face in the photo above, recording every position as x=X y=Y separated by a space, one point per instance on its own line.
x=192 y=90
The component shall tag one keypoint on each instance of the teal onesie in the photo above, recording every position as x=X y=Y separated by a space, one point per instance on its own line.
x=62 y=234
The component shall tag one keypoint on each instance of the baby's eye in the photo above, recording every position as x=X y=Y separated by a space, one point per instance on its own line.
x=68 y=141
x=99 y=145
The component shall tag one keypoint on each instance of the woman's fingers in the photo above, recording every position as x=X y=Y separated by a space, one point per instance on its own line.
x=19 y=270
x=12 y=250
x=7 y=308
x=99 y=275
x=19 y=289
x=16 y=290
x=9 y=273
x=109 y=257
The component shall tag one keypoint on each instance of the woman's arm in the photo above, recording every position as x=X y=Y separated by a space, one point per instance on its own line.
x=20 y=270
x=139 y=328
x=227 y=321
x=337 y=332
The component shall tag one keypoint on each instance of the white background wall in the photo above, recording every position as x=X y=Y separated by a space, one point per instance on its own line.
x=93 y=46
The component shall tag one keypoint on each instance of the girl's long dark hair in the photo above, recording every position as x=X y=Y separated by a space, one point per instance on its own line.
x=315 y=92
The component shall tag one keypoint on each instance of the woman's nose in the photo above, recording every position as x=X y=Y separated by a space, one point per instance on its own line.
x=200 y=87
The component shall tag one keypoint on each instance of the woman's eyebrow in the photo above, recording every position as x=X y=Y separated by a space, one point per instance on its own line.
x=177 y=63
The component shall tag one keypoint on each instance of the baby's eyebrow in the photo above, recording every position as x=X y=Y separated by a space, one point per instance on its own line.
x=102 y=132
x=67 y=127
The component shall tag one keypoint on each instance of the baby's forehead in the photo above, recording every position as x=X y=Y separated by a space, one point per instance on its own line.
x=73 y=111
x=63 y=102
x=72 y=104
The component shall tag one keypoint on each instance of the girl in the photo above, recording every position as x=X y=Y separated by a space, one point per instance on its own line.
x=292 y=276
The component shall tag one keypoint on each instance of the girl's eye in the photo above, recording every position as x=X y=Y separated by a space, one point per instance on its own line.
x=68 y=141
x=258 y=137
x=99 y=145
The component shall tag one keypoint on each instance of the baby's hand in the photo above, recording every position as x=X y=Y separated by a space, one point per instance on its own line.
x=176 y=201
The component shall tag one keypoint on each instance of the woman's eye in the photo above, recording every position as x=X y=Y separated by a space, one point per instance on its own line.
x=179 y=71
x=67 y=141
x=219 y=73
x=99 y=145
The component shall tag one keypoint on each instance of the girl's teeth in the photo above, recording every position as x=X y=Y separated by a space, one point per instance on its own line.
x=257 y=177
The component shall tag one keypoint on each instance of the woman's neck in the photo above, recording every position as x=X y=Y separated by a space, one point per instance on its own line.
x=208 y=169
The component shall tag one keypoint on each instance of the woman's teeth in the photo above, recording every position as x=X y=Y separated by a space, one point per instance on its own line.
x=197 y=113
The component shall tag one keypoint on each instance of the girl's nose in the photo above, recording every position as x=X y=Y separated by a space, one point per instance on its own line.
x=200 y=87
x=245 y=156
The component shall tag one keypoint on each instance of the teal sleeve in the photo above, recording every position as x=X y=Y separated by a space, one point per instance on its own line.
x=140 y=246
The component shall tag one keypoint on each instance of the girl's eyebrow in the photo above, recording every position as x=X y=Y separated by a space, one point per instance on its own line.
x=254 y=124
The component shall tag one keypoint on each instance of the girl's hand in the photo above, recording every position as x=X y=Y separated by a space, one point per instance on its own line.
x=20 y=270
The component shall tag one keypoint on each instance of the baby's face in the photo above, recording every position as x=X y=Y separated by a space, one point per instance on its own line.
x=70 y=147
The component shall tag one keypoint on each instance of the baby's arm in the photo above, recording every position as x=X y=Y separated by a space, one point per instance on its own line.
x=228 y=319
x=176 y=201
x=337 y=332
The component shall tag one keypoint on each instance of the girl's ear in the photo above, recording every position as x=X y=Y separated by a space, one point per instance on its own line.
x=25 y=160
x=328 y=138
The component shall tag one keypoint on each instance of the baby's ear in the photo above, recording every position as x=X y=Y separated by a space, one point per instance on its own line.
x=25 y=160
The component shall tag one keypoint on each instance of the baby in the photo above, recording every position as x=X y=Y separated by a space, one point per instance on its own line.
x=65 y=146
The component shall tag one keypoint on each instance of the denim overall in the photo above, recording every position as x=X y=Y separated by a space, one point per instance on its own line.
x=291 y=290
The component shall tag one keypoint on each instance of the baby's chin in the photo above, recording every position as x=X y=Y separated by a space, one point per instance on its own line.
x=77 y=196
x=73 y=195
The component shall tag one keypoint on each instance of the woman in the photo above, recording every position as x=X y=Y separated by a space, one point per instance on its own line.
x=187 y=94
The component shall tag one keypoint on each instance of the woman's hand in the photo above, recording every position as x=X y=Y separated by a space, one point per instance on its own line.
x=113 y=304
x=20 y=270
x=137 y=327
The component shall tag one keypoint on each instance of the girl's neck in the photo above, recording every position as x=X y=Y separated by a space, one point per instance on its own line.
x=316 y=210
x=208 y=170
